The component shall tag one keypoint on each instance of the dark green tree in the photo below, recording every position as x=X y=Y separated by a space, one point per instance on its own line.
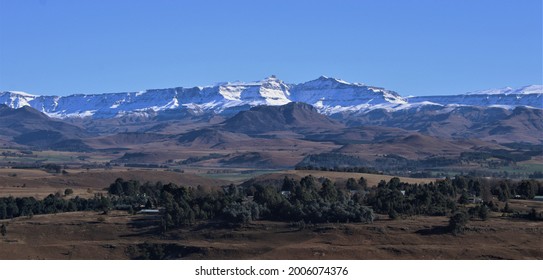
x=457 y=222
x=3 y=210
x=288 y=184
x=363 y=182
x=464 y=198
x=506 y=208
x=328 y=191
x=532 y=215
x=526 y=188
x=392 y=214
x=505 y=191
x=483 y=212
x=352 y=184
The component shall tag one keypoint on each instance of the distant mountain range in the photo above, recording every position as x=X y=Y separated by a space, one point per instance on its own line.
x=328 y=96
x=272 y=124
x=281 y=136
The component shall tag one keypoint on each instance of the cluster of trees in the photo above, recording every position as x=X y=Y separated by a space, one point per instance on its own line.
x=489 y=160
x=52 y=168
x=192 y=160
x=19 y=154
x=357 y=169
x=28 y=206
x=307 y=200
x=508 y=156
x=536 y=175
x=459 y=220
x=145 y=165
x=311 y=200
x=394 y=163
x=401 y=166
x=503 y=189
x=397 y=198
x=335 y=162
x=48 y=167
x=130 y=188
x=444 y=197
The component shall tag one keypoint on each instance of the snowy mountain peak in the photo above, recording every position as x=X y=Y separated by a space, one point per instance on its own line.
x=326 y=82
x=508 y=98
x=328 y=95
x=270 y=91
x=531 y=89
x=331 y=79
x=22 y=93
x=16 y=99
x=271 y=78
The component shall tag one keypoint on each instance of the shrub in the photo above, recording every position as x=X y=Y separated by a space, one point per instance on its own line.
x=457 y=222
x=483 y=212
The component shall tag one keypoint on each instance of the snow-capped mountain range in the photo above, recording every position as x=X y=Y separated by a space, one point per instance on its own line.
x=328 y=95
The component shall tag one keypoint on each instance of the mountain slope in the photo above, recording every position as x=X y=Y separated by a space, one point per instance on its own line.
x=327 y=95
x=331 y=95
x=509 y=98
x=293 y=116
x=522 y=124
x=14 y=122
x=26 y=126
x=270 y=91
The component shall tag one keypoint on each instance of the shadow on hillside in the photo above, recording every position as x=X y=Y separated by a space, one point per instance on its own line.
x=145 y=225
x=434 y=230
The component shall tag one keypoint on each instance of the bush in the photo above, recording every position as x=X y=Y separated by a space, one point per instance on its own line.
x=392 y=214
x=506 y=208
x=457 y=222
x=483 y=212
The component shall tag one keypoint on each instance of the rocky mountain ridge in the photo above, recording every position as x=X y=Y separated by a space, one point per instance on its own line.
x=328 y=95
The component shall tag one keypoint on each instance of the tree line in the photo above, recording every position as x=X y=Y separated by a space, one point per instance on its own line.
x=11 y=207
x=308 y=200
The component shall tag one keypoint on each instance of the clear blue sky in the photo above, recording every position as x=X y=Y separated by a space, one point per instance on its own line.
x=415 y=47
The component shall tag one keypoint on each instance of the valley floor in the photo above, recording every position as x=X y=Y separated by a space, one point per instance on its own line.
x=90 y=235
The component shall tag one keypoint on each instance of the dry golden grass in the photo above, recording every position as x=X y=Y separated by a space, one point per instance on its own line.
x=84 y=183
x=39 y=184
x=89 y=235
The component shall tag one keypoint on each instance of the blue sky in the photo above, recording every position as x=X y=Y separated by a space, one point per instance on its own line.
x=416 y=47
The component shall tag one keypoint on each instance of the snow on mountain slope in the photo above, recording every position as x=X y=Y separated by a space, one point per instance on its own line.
x=16 y=99
x=533 y=89
x=270 y=91
x=328 y=95
x=331 y=95
x=531 y=96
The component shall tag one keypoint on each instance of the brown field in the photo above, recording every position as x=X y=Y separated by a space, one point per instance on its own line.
x=91 y=235
x=85 y=235
x=38 y=183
